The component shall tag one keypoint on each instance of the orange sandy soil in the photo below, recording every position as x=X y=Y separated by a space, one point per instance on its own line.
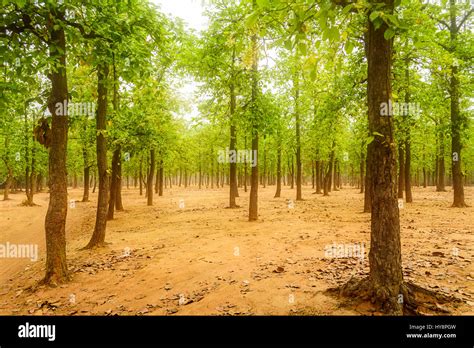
x=204 y=259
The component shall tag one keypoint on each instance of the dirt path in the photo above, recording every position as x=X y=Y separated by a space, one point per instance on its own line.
x=205 y=259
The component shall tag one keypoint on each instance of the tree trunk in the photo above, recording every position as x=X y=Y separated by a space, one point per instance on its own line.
x=278 y=178
x=118 y=187
x=361 y=169
x=98 y=237
x=113 y=184
x=87 y=167
x=55 y=222
x=408 y=193
x=140 y=175
x=151 y=172
x=298 y=137
x=456 y=117
x=253 y=200
x=385 y=261
x=318 y=177
x=401 y=170
x=160 y=182
x=440 y=164
x=232 y=149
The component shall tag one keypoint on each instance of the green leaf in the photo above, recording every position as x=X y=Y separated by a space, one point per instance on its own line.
x=347 y=8
x=302 y=48
x=252 y=19
x=263 y=3
x=389 y=33
x=333 y=34
x=374 y=15
x=349 y=46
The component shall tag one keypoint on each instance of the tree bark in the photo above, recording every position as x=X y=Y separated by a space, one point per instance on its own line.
x=456 y=117
x=401 y=170
x=385 y=276
x=278 y=178
x=151 y=172
x=113 y=184
x=98 y=237
x=253 y=200
x=55 y=222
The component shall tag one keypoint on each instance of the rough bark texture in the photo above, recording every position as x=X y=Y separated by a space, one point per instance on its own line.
x=456 y=119
x=253 y=201
x=113 y=184
x=98 y=237
x=232 y=148
x=55 y=222
x=298 y=137
x=385 y=277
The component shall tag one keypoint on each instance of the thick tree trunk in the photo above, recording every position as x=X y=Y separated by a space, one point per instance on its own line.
x=55 y=222
x=385 y=262
x=98 y=237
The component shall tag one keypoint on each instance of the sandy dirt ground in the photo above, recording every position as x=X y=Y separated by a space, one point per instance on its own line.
x=201 y=258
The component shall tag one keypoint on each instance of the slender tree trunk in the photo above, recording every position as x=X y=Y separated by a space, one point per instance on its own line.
x=9 y=168
x=456 y=117
x=318 y=176
x=140 y=175
x=98 y=237
x=113 y=184
x=232 y=148
x=118 y=188
x=278 y=178
x=160 y=182
x=408 y=193
x=401 y=170
x=151 y=172
x=361 y=169
x=87 y=168
x=440 y=164
x=253 y=200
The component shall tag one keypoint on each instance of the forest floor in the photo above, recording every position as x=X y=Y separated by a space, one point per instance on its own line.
x=204 y=259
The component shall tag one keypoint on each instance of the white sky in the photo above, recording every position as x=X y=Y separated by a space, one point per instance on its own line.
x=188 y=10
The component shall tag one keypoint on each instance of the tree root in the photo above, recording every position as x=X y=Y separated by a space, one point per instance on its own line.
x=411 y=300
